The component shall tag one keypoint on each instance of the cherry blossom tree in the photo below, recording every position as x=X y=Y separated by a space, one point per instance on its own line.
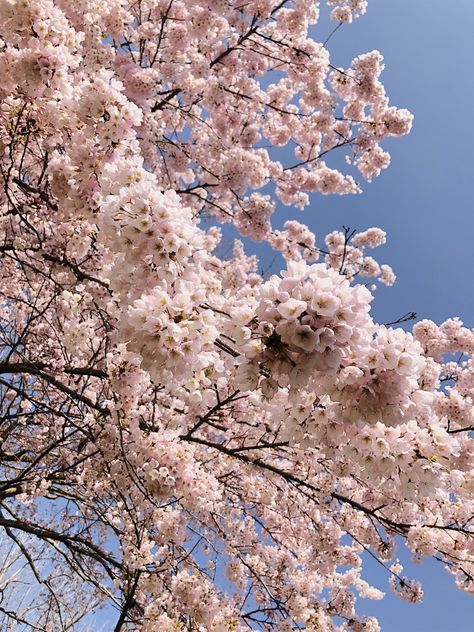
x=184 y=441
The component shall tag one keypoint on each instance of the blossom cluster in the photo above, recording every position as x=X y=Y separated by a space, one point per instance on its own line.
x=309 y=320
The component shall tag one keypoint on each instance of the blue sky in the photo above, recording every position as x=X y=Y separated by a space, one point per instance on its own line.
x=424 y=201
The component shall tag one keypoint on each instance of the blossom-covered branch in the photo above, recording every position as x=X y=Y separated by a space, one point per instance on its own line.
x=185 y=443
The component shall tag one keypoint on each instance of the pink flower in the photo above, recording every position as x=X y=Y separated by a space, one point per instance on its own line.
x=291 y=309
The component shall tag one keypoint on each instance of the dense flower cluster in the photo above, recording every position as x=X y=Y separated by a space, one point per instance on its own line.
x=310 y=320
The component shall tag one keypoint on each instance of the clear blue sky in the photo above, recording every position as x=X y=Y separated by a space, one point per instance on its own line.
x=424 y=201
